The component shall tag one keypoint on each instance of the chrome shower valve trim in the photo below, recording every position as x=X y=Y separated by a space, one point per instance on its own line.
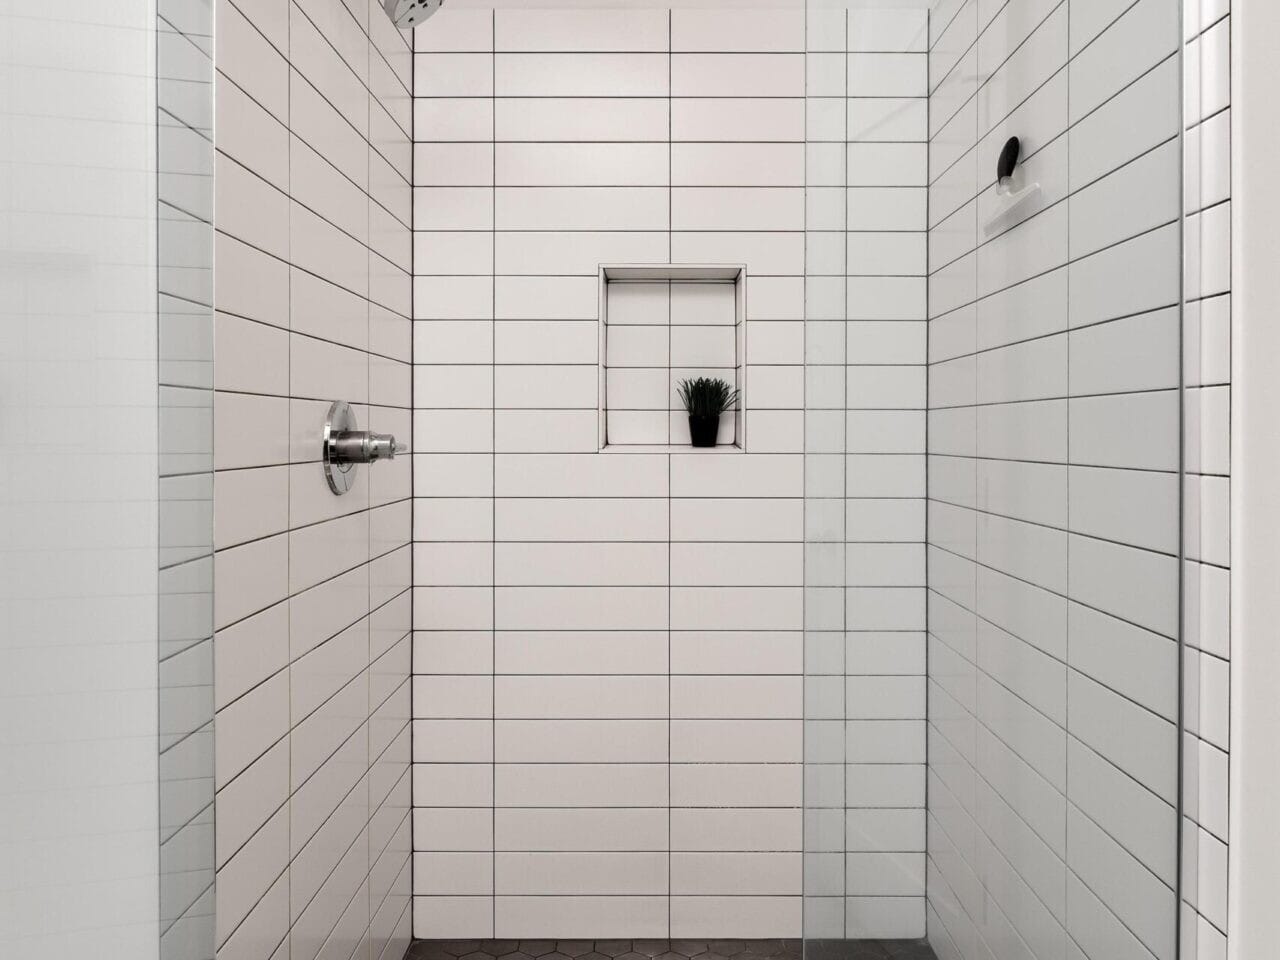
x=345 y=446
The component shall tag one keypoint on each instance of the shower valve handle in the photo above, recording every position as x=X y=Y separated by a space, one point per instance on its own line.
x=361 y=446
x=345 y=446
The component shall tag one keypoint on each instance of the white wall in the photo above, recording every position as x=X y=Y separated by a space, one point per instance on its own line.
x=609 y=647
x=78 y=500
x=312 y=600
x=1053 y=483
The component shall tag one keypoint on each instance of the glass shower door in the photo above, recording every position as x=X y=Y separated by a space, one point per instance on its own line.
x=1036 y=805
x=865 y=404
x=106 y=758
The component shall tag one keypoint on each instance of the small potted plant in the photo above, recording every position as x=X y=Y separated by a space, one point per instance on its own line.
x=704 y=400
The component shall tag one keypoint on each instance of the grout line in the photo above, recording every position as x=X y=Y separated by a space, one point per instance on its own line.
x=670 y=248
x=287 y=671
x=844 y=481
x=928 y=527
x=493 y=530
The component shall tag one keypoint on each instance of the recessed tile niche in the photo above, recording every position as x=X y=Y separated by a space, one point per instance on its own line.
x=660 y=324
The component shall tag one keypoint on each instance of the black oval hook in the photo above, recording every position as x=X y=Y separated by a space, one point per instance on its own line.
x=1008 y=158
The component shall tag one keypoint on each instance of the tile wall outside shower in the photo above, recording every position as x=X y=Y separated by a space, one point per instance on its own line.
x=312 y=609
x=1054 y=483
x=609 y=647
x=79 y=849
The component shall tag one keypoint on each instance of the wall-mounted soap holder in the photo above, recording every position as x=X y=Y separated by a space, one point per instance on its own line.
x=1013 y=203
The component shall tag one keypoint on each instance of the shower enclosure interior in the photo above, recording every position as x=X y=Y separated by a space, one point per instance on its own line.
x=924 y=651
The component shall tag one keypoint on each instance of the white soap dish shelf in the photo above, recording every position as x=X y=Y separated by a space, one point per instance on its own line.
x=1014 y=204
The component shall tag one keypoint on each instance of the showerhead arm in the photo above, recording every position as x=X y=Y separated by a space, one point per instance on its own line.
x=407 y=14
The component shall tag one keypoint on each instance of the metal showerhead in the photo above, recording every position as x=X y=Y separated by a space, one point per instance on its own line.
x=407 y=14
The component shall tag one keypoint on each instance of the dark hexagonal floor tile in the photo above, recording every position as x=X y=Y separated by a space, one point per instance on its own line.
x=908 y=949
x=651 y=948
x=613 y=948
x=689 y=948
x=778 y=949
x=459 y=948
x=829 y=950
x=727 y=948
x=429 y=950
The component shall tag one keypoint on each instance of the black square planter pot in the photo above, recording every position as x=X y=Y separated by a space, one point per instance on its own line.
x=704 y=430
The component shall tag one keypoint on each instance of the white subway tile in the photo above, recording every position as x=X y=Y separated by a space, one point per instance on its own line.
x=888 y=30
x=581 y=208
x=582 y=916
x=585 y=830
x=581 y=164
x=887 y=75
x=575 y=118
x=441 y=119
x=702 y=916
x=608 y=874
x=710 y=30
x=740 y=164
x=581 y=785
x=456 y=29
x=581 y=74
x=580 y=30
x=743 y=119
x=737 y=208
x=453 y=75
x=737 y=74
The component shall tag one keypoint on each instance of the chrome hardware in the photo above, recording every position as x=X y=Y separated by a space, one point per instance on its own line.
x=407 y=14
x=345 y=446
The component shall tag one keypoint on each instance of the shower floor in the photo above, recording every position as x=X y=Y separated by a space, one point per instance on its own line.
x=669 y=950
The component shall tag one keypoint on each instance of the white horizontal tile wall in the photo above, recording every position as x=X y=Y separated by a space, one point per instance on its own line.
x=1206 y=378
x=607 y=653
x=312 y=649
x=1054 y=396
x=866 y=155
x=609 y=647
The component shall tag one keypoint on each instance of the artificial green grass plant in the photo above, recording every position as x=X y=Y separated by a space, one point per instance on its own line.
x=707 y=396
